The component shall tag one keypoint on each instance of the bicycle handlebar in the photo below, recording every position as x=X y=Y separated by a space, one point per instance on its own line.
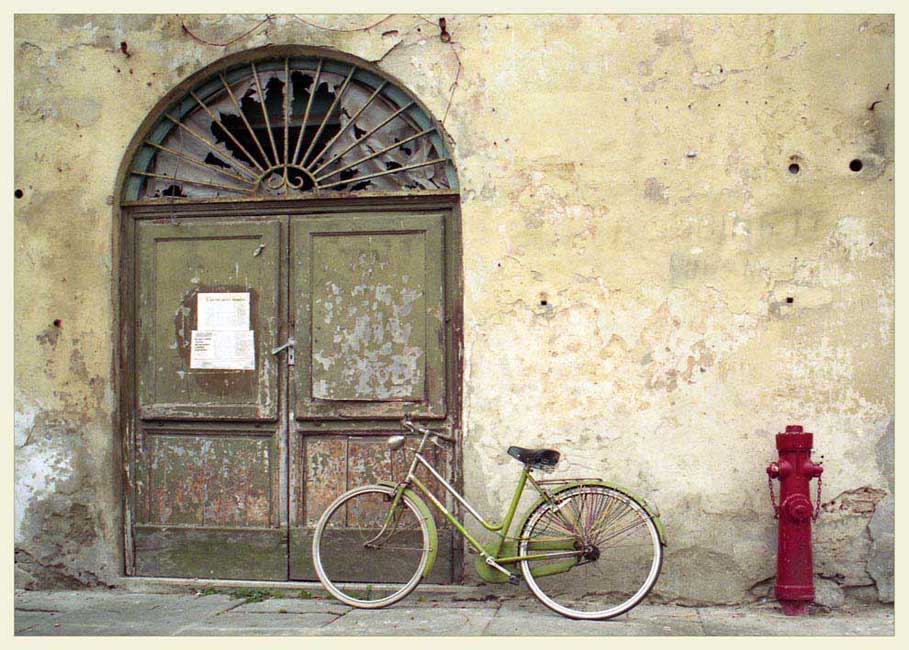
x=407 y=423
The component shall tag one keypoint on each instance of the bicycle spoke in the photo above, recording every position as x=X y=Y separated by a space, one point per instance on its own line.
x=370 y=544
x=619 y=558
x=622 y=531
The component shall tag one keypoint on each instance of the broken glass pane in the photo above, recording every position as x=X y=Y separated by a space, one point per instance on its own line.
x=328 y=128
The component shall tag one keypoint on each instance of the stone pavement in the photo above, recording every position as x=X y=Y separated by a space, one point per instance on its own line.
x=242 y=613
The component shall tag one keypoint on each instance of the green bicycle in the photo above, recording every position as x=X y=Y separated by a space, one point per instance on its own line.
x=587 y=549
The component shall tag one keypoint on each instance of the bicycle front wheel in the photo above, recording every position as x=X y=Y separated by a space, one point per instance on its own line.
x=365 y=558
x=619 y=560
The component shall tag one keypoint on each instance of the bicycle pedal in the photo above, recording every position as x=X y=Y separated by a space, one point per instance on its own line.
x=513 y=579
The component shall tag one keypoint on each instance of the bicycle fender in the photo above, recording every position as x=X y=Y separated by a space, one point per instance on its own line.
x=648 y=507
x=430 y=523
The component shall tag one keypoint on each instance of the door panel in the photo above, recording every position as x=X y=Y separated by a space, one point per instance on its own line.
x=324 y=476
x=369 y=316
x=230 y=554
x=209 y=480
x=334 y=462
x=177 y=264
x=210 y=450
x=202 y=496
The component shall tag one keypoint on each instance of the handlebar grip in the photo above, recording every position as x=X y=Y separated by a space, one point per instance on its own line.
x=442 y=436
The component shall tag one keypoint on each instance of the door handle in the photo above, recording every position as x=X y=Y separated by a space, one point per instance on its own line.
x=289 y=346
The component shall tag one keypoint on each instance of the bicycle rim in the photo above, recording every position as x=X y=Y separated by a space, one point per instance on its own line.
x=622 y=560
x=356 y=564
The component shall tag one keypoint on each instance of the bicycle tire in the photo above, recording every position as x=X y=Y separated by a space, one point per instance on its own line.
x=350 y=571
x=598 y=515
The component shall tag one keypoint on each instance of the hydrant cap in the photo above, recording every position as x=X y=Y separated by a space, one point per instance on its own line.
x=795 y=439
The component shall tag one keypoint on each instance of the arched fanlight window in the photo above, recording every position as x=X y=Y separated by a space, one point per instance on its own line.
x=282 y=128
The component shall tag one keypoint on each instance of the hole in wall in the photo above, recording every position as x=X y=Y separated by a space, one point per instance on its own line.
x=543 y=303
x=794 y=168
x=790 y=300
x=58 y=323
x=18 y=194
x=856 y=165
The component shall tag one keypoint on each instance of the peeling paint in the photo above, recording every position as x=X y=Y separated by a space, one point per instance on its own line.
x=373 y=315
x=39 y=469
x=23 y=422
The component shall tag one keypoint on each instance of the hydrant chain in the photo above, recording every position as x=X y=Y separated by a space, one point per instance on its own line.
x=817 y=501
x=776 y=508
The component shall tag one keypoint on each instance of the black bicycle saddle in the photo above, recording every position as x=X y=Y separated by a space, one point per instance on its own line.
x=542 y=458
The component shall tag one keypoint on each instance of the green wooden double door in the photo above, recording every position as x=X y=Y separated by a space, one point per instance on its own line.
x=272 y=358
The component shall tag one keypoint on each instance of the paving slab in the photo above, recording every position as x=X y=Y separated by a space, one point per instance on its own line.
x=68 y=601
x=293 y=606
x=113 y=629
x=531 y=618
x=456 y=603
x=27 y=620
x=770 y=621
x=101 y=613
x=260 y=624
x=400 y=620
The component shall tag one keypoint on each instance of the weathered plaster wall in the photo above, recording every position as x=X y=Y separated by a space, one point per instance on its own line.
x=648 y=286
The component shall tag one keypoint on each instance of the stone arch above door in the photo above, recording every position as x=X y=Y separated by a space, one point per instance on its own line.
x=241 y=130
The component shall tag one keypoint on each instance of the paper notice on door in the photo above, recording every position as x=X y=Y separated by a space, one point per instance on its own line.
x=223 y=350
x=222 y=311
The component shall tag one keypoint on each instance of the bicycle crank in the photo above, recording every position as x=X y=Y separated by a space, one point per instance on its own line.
x=513 y=579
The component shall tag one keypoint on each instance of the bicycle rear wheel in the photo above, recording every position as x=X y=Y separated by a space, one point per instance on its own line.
x=362 y=563
x=621 y=552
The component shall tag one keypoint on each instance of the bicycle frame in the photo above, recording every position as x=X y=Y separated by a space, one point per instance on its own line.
x=560 y=551
x=566 y=527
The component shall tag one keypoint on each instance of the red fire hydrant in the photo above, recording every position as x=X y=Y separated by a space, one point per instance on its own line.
x=794 y=565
